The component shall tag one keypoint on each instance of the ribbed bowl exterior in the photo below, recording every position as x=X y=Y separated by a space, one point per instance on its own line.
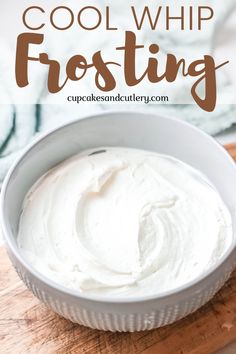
x=128 y=317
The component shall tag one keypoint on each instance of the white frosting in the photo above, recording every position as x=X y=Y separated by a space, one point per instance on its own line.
x=123 y=222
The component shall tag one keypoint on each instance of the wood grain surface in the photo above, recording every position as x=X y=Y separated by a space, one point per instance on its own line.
x=27 y=326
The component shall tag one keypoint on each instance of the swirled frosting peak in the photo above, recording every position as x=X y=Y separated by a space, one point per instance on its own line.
x=123 y=222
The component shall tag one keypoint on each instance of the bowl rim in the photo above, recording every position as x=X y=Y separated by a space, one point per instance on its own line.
x=9 y=237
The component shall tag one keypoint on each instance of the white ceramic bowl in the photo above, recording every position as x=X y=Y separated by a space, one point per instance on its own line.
x=143 y=131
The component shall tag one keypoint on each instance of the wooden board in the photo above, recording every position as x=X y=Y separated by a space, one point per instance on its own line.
x=27 y=326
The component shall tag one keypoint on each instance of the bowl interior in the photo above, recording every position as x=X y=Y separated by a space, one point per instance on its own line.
x=143 y=131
